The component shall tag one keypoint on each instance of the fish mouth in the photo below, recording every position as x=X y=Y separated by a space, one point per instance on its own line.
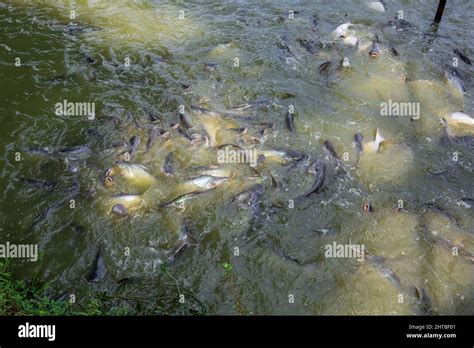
x=374 y=54
x=367 y=207
x=108 y=181
x=109 y=172
x=125 y=157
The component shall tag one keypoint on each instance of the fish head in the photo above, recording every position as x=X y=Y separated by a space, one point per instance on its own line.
x=124 y=157
x=367 y=207
x=135 y=140
x=108 y=181
x=111 y=171
x=358 y=138
x=317 y=167
x=375 y=50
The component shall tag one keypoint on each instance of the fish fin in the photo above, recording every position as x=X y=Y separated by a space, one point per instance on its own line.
x=184 y=240
x=379 y=139
x=190 y=240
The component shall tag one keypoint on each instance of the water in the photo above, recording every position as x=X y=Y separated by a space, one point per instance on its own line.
x=284 y=269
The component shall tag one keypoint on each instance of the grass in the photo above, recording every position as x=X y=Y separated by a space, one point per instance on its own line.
x=18 y=297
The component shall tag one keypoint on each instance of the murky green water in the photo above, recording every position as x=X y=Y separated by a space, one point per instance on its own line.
x=233 y=53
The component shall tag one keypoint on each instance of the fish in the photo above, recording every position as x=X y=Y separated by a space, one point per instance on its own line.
x=75 y=152
x=184 y=134
x=72 y=191
x=211 y=66
x=358 y=139
x=469 y=200
x=341 y=30
x=134 y=143
x=399 y=24
x=130 y=202
x=325 y=70
x=71 y=153
x=153 y=134
x=448 y=138
x=377 y=263
x=168 y=166
x=328 y=145
x=205 y=182
x=463 y=57
x=297 y=164
x=203 y=111
x=185 y=120
x=186 y=87
x=376 y=48
x=367 y=207
x=350 y=40
x=281 y=42
x=219 y=172
x=185 y=240
x=290 y=122
x=254 y=200
x=423 y=300
x=454 y=77
x=124 y=157
x=179 y=201
x=308 y=45
x=240 y=130
x=250 y=199
x=277 y=249
x=374 y=146
x=39 y=183
x=318 y=169
x=215 y=127
x=460 y=118
x=90 y=60
x=134 y=174
x=153 y=117
x=98 y=270
x=73 y=166
x=441 y=227
x=41 y=151
x=128 y=155
x=74 y=29
x=376 y=6
x=245 y=106
x=283 y=157
x=315 y=19
x=432 y=206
